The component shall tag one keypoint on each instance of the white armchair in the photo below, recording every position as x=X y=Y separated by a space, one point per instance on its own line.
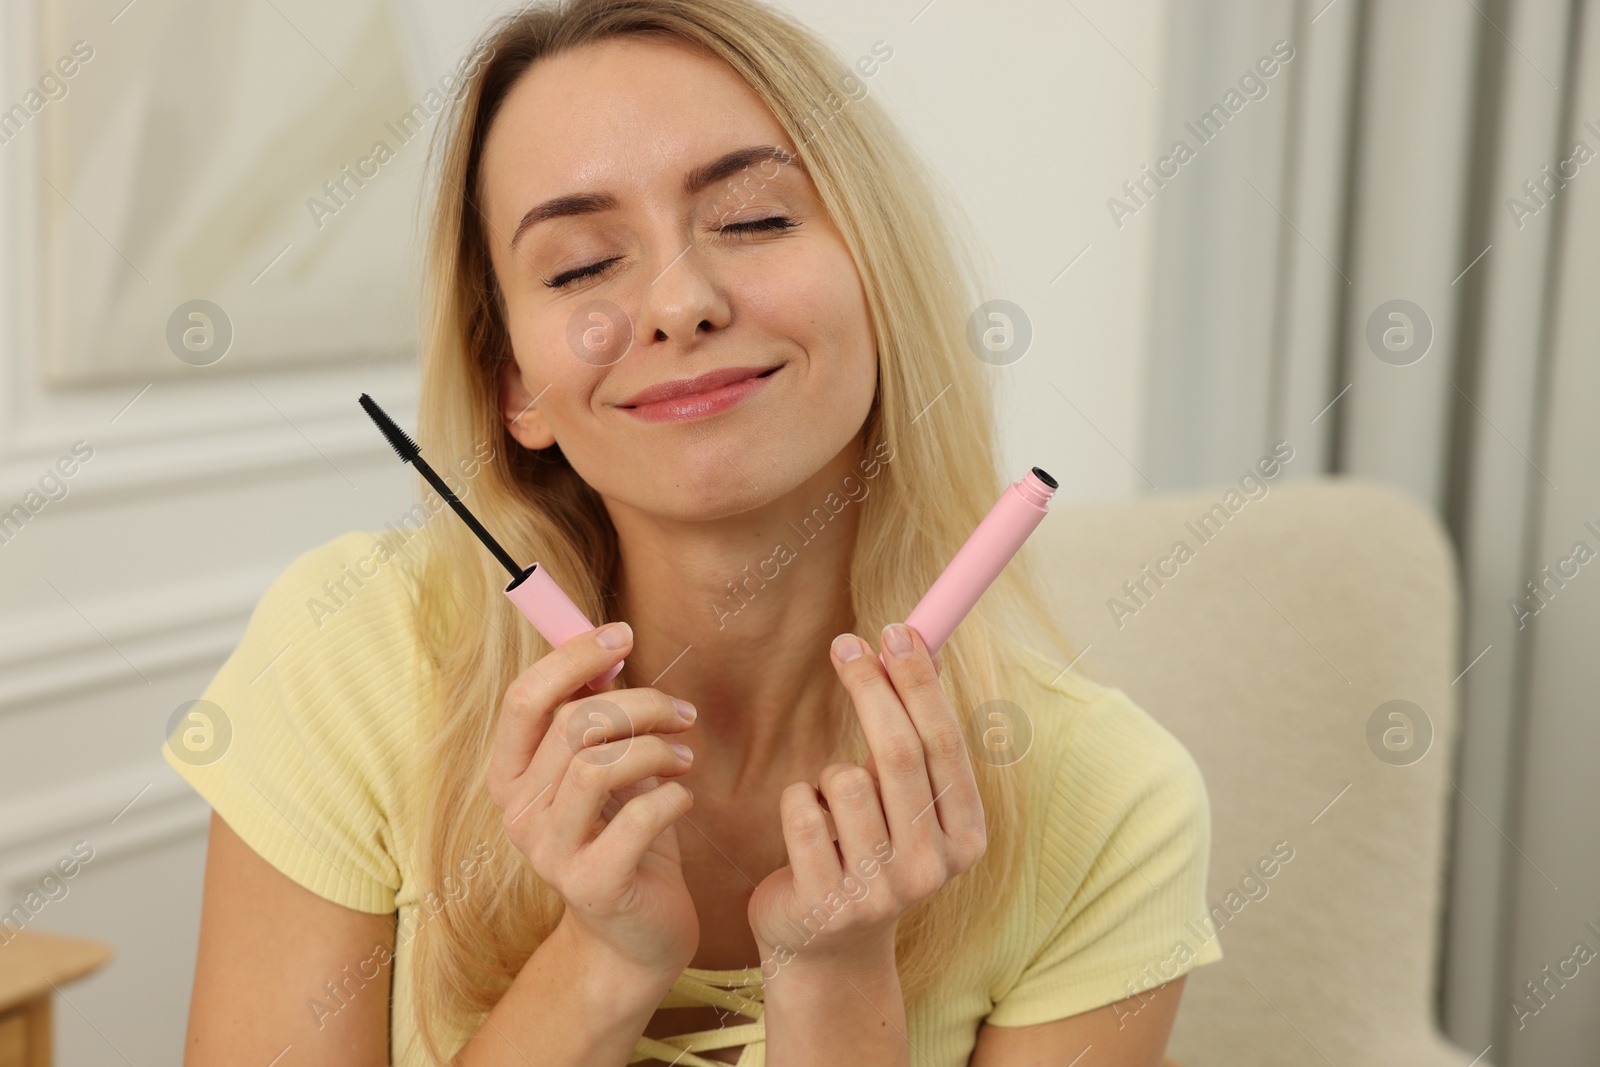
x=1269 y=653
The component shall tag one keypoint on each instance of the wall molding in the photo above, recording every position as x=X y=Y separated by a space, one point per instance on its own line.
x=162 y=631
x=223 y=443
x=122 y=814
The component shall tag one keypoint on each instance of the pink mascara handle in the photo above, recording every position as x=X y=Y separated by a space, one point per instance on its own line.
x=1014 y=516
x=553 y=613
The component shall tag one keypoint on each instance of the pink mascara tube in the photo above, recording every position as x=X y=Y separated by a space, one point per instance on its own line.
x=1014 y=516
x=532 y=590
x=553 y=613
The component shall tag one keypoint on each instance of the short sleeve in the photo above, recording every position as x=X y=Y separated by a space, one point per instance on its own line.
x=1122 y=869
x=295 y=742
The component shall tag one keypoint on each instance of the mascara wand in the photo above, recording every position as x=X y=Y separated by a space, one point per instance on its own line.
x=410 y=453
x=532 y=590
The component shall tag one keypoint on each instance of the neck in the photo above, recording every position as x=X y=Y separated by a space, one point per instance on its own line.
x=736 y=616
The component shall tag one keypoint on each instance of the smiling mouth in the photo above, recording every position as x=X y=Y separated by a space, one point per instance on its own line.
x=692 y=387
x=694 y=398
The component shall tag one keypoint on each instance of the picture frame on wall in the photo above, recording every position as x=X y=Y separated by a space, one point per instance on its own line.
x=231 y=186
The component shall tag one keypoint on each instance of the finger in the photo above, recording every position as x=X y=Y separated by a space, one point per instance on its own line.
x=955 y=789
x=597 y=773
x=531 y=699
x=857 y=810
x=812 y=854
x=893 y=740
x=621 y=846
x=595 y=720
x=527 y=803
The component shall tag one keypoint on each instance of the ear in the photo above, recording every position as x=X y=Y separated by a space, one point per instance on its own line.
x=521 y=416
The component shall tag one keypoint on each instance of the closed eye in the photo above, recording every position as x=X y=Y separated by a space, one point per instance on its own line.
x=774 y=224
x=561 y=281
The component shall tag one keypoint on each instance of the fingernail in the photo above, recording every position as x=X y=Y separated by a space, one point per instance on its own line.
x=685 y=709
x=614 y=635
x=847 y=647
x=684 y=751
x=898 y=639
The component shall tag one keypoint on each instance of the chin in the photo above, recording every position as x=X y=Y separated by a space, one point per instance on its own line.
x=710 y=487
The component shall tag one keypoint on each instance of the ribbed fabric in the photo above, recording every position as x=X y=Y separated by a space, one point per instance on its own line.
x=328 y=696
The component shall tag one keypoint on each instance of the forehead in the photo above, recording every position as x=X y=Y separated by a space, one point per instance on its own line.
x=626 y=111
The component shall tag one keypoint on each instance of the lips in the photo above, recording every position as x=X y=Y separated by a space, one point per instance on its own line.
x=686 y=387
x=698 y=398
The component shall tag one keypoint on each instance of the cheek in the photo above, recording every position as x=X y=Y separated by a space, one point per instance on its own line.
x=850 y=364
x=540 y=343
x=821 y=304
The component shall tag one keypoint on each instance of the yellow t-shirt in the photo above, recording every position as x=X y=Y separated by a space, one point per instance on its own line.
x=325 y=701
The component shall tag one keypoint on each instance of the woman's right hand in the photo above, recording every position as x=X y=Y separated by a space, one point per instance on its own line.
x=578 y=778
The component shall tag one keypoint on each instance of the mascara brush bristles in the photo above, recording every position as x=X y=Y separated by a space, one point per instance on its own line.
x=408 y=452
x=398 y=439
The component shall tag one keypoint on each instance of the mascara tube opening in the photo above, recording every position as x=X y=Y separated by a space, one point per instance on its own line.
x=1037 y=487
x=524 y=576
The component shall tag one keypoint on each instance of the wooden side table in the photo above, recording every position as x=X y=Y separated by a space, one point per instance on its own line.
x=29 y=963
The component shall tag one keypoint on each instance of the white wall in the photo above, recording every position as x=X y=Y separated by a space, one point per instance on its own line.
x=119 y=601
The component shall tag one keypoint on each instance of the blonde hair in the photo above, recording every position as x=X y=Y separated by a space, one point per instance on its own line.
x=940 y=481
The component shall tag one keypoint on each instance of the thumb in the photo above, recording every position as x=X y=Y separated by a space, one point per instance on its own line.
x=587 y=657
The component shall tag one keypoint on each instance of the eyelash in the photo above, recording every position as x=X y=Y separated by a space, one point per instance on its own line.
x=773 y=224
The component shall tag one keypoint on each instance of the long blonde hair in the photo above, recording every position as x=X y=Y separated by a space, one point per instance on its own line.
x=932 y=418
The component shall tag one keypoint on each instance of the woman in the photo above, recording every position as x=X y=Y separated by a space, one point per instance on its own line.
x=693 y=344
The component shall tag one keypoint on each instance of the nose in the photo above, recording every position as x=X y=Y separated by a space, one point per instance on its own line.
x=681 y=300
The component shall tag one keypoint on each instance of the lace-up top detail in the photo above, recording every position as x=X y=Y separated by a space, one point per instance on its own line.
x=731 y=992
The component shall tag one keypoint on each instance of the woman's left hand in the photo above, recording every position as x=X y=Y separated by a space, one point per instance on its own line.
x=906 y=824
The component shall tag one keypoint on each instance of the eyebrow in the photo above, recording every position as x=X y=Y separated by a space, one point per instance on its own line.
x=693 y=182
